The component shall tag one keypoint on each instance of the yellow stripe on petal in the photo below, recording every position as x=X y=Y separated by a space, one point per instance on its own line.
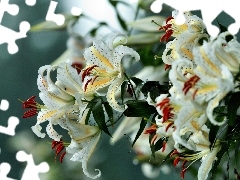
x=206 y=89
x=99 y=82
x=209 y=62
x=46 y=116
x=104 y=60
x=187 y=53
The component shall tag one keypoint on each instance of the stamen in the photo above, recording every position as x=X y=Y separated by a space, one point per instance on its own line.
x=153 y=139
x=88 y=81
x=87 y=71
x=29 y=103
x=164 y=145
x=190 y=83
x=168 y=126
x=183 y=172
x=176 y=161
x=62 y=156
x=152 y=129
x=167 y=66
x=30 y=113
x=174 y=152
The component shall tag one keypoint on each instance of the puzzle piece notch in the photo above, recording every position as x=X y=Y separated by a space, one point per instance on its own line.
x=58 y=18
x=4 y=170
x=31 y=171
x=209 y=13
x=12 y=121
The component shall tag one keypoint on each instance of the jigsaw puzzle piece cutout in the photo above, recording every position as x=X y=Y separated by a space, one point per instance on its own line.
x=9 y=36
x=58 y=18
x=31 y=171
x=12 y=121
x=51 y=16
x=12 y=9
x=4 y=170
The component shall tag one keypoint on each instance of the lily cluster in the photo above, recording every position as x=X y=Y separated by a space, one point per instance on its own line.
x=202 y=73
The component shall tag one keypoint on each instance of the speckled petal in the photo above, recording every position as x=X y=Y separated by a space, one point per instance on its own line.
x=111 y=95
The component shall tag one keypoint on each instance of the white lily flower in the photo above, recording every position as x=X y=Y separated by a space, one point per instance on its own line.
x=83 y=143
x=104 y=68
x=206 y=80
x=59 y=98
x=226 y=48
x=188 y=35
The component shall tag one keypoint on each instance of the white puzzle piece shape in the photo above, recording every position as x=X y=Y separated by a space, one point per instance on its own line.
x=31 y=171
x=4 y=170
x=7 y=35
x=12 y=121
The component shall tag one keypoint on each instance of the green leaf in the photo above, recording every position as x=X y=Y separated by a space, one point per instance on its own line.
x=157 y=146
x=139 y=109
x=99 y=117
x=233 y=105
x=51 y=26
x=225 y=147
x=136 y=81
x=166 y=158
x=213 y=135
x=123 y=90
x=109 y=111
x=154 y=88
x=141 y=128
x=90 y=105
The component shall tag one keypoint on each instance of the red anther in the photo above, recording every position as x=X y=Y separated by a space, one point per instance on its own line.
x=167 y=66
x=87 y=71
x=167 y=35
x=153 y=139
x=78 y=66
x=29 y=103
x=194 y=94
x=176 y=160
x=152 y=129
x=30 y=113
x=88 y=81
x=167 y=114
x=184 y=163
x=190 y=83
x=163 y=103
x=174 y=152
x=168 y=126
x=169 y=18
x=55 y=143
x=183 y=173
x=94 y=79
x=164 y=145
x=62 y=156
x=59 y=148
